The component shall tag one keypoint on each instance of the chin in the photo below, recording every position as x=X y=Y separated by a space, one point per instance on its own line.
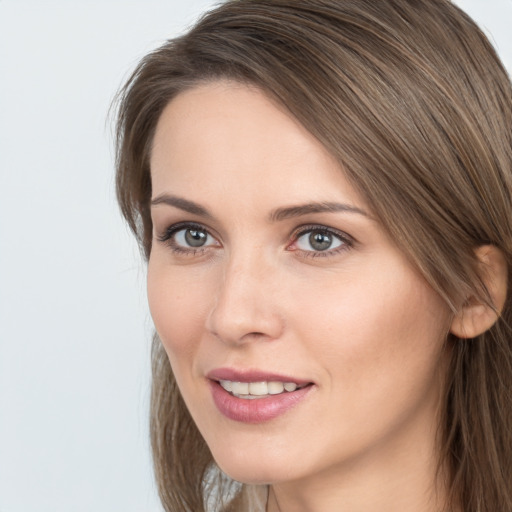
x=256 y=469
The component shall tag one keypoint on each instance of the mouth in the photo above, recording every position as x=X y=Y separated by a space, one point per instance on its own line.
x=253 y=396
x=260 y=389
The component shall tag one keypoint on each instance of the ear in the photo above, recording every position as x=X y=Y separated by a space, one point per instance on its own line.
x=475 y=317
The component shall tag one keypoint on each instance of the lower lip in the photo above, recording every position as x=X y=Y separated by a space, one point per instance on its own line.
x=257 y=410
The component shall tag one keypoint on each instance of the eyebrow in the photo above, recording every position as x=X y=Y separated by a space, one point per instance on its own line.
x=321 y=207
x=276 y=215
x=182 y=204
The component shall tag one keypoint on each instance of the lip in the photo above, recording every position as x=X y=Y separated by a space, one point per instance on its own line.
x=252 y=376
x=258 y=410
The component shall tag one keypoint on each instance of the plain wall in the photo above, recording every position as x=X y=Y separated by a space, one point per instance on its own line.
x=74 y=326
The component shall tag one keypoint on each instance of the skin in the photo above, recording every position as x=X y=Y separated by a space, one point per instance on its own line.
x=358 y=321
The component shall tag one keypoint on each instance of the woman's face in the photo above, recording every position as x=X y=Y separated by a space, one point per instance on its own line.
x=268 y=272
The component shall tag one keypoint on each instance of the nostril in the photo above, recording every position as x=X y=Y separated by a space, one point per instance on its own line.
x=243 y=322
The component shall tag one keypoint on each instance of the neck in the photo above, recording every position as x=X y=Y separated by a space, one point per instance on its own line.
x=402 y=477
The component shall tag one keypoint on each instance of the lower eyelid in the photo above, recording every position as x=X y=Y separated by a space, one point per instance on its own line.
x=324 y=254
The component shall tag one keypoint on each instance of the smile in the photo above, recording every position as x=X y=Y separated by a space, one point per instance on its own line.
x=257 y=401
x=255 y=390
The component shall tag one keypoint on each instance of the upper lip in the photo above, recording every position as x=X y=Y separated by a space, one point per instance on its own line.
x=239 y=375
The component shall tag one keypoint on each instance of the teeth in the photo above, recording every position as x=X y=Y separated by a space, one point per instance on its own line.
x=251 y=390
x=274 y=388
x=227 y=385
x=258 y=388
x=240 y=388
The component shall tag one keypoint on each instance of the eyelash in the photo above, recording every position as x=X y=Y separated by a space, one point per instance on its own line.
x=168 y=238
x=346 y=241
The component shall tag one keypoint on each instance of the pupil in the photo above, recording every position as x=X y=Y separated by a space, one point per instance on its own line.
x=195 y=237
x=320 y=241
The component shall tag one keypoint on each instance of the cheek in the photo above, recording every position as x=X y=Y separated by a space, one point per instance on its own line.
x=373 y=324
x=379 y=341
x=178 y=308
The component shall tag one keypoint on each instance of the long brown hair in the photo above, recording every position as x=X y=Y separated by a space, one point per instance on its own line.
x=412 y=100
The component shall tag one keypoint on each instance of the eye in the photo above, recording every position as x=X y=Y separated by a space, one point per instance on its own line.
x=192 y=237
x=316 y=240
x=188 y=238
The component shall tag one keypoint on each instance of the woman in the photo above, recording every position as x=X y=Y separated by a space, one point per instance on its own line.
x=323 y=190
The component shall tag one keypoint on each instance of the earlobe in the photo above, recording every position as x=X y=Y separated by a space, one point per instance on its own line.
x=475 y=316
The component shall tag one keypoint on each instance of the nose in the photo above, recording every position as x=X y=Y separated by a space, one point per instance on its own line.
x=246 y=303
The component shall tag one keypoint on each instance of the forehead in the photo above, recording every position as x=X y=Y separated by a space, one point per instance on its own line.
x=227 y=115
x=233 y=139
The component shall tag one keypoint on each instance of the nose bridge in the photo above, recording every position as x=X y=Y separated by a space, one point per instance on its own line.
x=244 y=306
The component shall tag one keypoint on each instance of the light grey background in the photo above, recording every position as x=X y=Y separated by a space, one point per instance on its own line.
x=74 y=326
